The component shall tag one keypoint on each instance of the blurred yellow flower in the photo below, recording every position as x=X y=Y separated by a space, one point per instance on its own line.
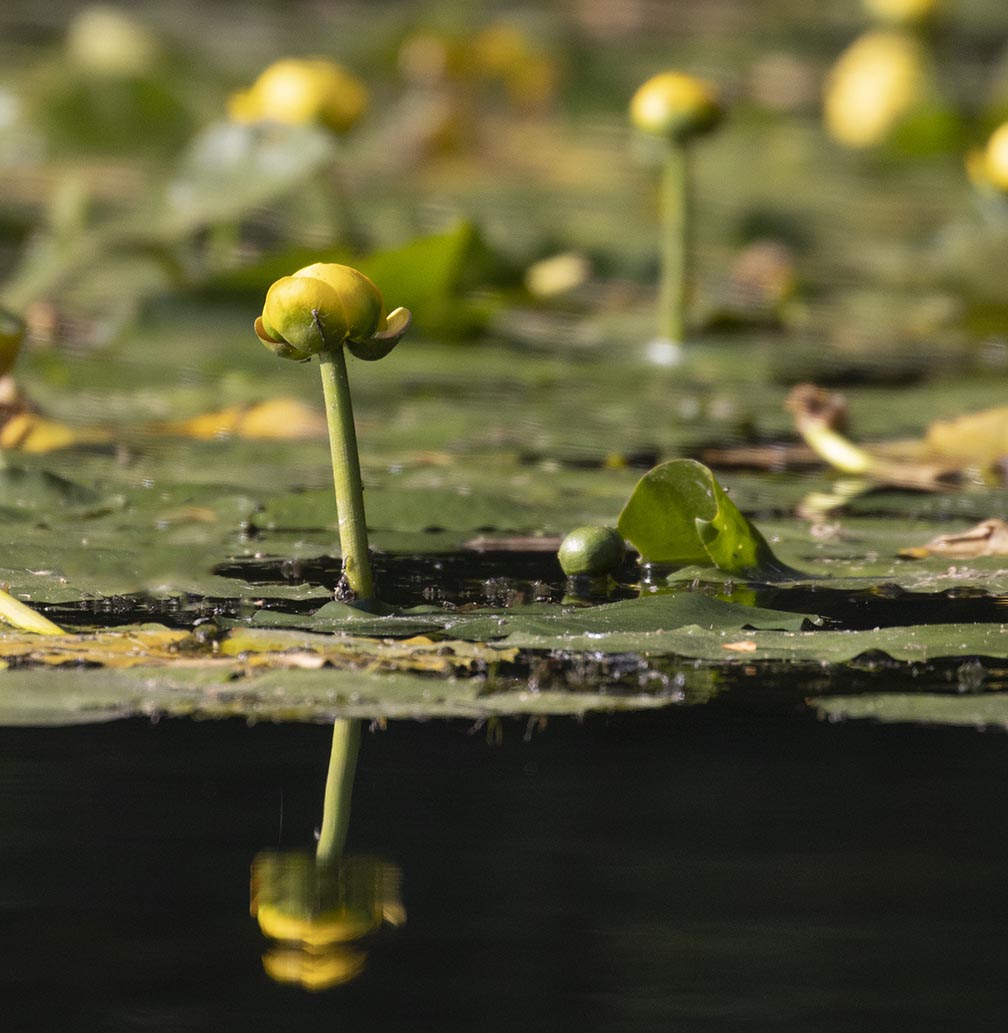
x=295 y=92
x=900 y=12
x=988 y=166
x=874 y=84
x=675 y=106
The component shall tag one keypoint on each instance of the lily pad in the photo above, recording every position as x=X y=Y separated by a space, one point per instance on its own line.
x=679 y=514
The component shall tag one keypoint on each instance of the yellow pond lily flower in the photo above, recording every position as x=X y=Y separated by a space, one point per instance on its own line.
x=876 y=82
x=324 y=306
x=302 y=91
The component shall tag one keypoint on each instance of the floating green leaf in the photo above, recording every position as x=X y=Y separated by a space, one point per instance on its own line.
x=679 y=514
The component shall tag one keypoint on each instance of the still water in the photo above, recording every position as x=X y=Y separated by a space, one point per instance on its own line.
x=704 y=869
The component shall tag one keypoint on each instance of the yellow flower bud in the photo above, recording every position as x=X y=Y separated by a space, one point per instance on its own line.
x=296 y=92
x=363 y=309
x=676 y=106
x=324 y=306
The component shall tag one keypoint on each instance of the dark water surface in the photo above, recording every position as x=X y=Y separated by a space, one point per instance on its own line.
x=703 y=869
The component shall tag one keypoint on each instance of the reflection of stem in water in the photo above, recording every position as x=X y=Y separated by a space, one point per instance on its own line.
x=338 y=790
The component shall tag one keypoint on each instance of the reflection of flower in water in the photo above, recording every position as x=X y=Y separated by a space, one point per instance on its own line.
x=315 y=907
x=316 y=912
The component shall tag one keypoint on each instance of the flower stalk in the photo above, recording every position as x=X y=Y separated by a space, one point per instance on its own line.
x=347 y=480
x=325 y=309
x=674 y=284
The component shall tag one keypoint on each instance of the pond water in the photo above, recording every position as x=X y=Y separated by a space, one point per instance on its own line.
x=711 y=869
x=639 y=808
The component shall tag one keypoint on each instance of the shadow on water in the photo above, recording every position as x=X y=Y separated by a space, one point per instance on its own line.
x=701 y=869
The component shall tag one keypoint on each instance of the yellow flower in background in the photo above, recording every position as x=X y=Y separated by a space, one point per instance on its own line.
x=676 y=106
x=988 y=166
x=106 y=41
x=996 y=157
x=876 y=82
x=297 y=92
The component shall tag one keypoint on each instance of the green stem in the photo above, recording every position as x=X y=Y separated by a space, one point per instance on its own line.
x=675 y=201
x=349 y=227
x=338 y=790
x=346 y=473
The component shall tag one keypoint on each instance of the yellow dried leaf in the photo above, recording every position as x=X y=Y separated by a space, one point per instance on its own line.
x=275 y=419
x=30 y=432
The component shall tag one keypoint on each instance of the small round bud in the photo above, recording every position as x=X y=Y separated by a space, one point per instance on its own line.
x=12 y=333
x=591 y=550
x=298 y=92
x=676 y=106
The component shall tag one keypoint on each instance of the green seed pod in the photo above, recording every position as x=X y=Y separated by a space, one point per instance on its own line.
x=591 y=550
x=676 y=106
x=12 y=332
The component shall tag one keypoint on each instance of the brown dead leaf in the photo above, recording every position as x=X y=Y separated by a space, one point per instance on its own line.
x=988 y=538
x=820 y=418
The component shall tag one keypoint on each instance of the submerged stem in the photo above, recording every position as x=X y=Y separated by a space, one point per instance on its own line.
x=338 y=790
x=675 y=203
x=346 y=473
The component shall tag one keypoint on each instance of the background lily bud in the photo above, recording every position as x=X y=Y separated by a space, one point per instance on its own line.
x=297 y=92
x=875 y=84
x=676 y=106
x=995 y=158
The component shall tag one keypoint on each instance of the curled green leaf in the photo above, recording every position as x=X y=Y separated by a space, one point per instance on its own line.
x=678 y=514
